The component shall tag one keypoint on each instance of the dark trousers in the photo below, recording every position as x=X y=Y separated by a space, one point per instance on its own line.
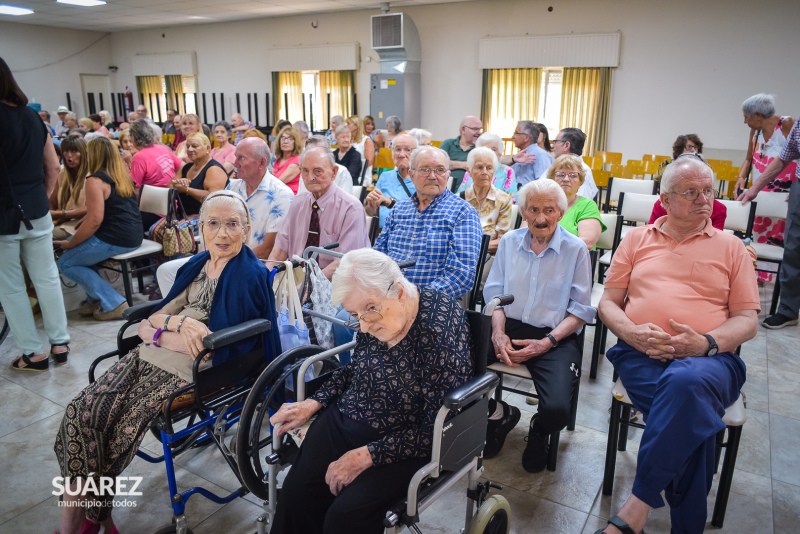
x=306 y=504
x=790 y=268
x=554 y=374
x=682 y=402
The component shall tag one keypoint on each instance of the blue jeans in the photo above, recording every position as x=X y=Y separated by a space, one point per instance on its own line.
x=35 y=248
x=76 y=264
x=342 y=335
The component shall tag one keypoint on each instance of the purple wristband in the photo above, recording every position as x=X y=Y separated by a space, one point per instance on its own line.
x=156 y=336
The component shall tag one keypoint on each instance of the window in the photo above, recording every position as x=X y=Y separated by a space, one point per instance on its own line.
x=549 y=112
x=308 y=94
x=178 y=91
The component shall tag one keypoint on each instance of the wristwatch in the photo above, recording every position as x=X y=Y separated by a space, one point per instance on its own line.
x=712 y=345
x=392 y=202
x=552 y=339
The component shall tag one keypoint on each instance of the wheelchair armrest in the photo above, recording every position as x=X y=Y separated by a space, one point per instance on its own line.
x=99 y=359
x=470 y=391
x=232 y=334
x=141 y=312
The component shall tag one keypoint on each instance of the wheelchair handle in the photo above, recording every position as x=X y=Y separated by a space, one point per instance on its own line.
x=500 y=300
x=313 y=252
x=141 y=312
x=301 y=373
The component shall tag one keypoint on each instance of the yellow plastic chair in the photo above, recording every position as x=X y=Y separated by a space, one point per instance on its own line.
x=618 y=170
x=651 y=167
x=649 y=157
x=601 y=177
x=437 y=144
x=384 y=159
x=610 y=158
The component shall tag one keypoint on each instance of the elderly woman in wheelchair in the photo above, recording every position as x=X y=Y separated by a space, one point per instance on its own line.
x=375 y=417
x=103 y=426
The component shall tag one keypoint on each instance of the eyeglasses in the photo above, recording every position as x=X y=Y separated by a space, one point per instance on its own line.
x=371 y=315
x=474 y=128
x=692 y=194
x=690 y=148
x=213 y=226
x=438 y=171
x=554 y=141
x=287 y=138
x=572 y=175
x=520 y=133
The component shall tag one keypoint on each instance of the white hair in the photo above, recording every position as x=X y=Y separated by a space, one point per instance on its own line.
x=342 y=128
x=366 y=270
x=489 y=137
x=93 y=135
x=762 y=103
x=481 y=151
x=674 y=171
x=157 y=132
x=542 y=187
x=417 y=152
x=227 y=199
x=419 y=134
x=326 y=153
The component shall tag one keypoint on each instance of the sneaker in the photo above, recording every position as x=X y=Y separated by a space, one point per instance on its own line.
x=87 y=308
x=535 y=455
x=112 y=315
x=778 y=321
x=532 y=400
x=497 y=431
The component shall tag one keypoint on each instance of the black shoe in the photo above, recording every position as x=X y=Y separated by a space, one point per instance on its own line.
x=60 y=357
x=37 y=367
x=497 y=431
x=778 y=321
x=534 y=457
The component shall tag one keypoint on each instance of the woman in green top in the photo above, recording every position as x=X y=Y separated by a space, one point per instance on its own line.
x=582 y=217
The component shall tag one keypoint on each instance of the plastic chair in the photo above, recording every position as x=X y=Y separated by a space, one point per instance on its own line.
x=609 y=241
x=740 y=218
x=775 y=206
x=617 y=185
x=610 y=158
x=635 y=208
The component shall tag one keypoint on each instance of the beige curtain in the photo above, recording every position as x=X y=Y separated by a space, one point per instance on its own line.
x=340 y=85
x=174 y=83
x=509 y=95
x=291 y=84
x=150 y=85
x=585 y=98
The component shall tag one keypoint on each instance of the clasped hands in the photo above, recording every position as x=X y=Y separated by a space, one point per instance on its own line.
x=340 y=473
x=652 y=340
x=181 y=184
x=529 y=348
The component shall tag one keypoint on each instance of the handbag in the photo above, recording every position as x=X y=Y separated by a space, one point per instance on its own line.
x=12 y=214
x=315 y=293
x=291 y=327
x=175 y=234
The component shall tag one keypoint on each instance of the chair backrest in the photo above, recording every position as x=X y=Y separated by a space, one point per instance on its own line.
x=601 y=177
x=516 y=220
x=475 y=292
x=357 y=191
x=372 y=228
x=480 y=328
x=154 y=200
x=636 y=206
x=609 y=239
x=610 y=157
x=383 y=160
x=618 y=185
x=450 y=183
x=740 y=218
x=773 y=205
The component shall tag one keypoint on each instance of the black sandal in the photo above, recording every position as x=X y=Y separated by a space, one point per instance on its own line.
x=620 y=523
x=60 y=357
x=38 y=367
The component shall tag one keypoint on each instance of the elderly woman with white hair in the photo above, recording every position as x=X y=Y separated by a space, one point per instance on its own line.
x=423 y=137
x=375 y=423
x=104 y=424
x=548 y=270
x=504 y=176
x=492 y=204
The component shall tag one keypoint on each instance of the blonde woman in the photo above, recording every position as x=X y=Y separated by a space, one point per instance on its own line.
x=361 y=141
x=68 y=200
x=201 y=176
x=190 y=124
x=112 y=226
x=287 y=148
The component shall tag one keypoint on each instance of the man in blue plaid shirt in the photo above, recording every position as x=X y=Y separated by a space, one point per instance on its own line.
x=435 y=228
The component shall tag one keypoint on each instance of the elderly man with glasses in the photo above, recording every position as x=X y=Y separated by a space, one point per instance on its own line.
x=395 y=185
x=681 y=296
x=458 y=148
x=531 y=162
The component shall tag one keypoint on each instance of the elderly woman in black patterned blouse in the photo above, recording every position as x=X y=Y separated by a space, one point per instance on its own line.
x=376 y=415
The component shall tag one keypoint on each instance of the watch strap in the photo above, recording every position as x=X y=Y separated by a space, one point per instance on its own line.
x=552 y=339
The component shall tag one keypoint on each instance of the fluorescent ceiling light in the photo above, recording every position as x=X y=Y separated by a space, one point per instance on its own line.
x=14 y=10
x=84 y=3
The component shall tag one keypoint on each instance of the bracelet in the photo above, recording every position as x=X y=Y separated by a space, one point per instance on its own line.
x=512 y=159
x=156 y=336
x=166 y=323
x=183 y=318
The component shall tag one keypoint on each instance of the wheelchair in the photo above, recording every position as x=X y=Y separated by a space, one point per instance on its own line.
x=206 y=409
x=458 y=439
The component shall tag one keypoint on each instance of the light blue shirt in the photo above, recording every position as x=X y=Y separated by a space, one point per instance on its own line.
x=389 y=185
x=268 y=206
x=528 y=172
x=547 y=286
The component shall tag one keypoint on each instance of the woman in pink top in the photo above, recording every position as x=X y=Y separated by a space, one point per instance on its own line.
x=224 y=153
x=152 y=164
x=287 y=149
x=768 y=133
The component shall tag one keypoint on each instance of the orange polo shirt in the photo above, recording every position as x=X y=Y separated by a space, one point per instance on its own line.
x=697 y=282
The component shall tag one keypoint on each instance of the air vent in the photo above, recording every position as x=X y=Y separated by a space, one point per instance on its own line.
x=387 y=31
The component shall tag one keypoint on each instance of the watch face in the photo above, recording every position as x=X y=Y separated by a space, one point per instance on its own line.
x=712 y=351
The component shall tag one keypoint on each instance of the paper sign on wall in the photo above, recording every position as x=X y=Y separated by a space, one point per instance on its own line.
x=384 y=84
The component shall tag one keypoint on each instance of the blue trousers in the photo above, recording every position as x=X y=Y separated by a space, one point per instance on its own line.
x=77 y=263
x=682 y=402
x=342 y=335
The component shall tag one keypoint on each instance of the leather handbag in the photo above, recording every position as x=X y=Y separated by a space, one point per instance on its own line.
x=175 y=234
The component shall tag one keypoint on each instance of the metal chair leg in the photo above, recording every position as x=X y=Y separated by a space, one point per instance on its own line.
x=611 y=447
x=126 y=281
x=776 y=293
x=623 y=431
x=726 y=477
x=552 y=453
x=598 y=326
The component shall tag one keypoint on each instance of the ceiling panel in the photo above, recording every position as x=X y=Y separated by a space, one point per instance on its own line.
x=120 y=15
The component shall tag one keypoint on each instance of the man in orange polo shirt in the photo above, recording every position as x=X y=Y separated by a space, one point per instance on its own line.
x=681 y=296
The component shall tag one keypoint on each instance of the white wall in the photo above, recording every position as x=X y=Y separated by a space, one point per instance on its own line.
x=685 y=65
x=47 y=62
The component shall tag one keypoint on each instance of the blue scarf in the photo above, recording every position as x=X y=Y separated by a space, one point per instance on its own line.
x=243 y=293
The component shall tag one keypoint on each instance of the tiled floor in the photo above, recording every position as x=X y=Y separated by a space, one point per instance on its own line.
x=766 y=485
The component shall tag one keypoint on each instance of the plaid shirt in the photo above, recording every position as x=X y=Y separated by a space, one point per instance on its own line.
x=443 y=240
x=791 y=151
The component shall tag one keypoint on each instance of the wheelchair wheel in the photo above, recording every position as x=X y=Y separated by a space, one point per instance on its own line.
x=254 y=435
x=493 y=517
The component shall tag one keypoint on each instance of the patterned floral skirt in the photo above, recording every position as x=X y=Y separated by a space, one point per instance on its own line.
x=104 y=425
